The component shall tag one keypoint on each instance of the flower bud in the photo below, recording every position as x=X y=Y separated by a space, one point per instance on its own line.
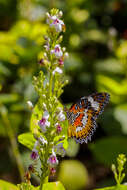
x=31 y=168
x=34 y=154
x=48 y=15
x=52 y=171
x=66 y=55
x=41 y=61
x=30 y=105
x=60 y=14
x=58 y=128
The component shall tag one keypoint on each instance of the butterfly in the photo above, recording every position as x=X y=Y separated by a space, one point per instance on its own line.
x=83 y=114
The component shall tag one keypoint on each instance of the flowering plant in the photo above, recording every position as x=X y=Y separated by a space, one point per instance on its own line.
x=48 y=136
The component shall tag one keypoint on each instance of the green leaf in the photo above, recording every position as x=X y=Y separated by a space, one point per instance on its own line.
x=27 y=139
x=4 y=70
x=53 y=186
x=7 y=186
x=121 y=116
x=73 y=148
x=8 y=98
x=119 y=187
x=101 y=149
x=116 y=89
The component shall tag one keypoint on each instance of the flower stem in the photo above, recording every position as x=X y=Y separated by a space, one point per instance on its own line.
x=50 y=85
x=13 y=141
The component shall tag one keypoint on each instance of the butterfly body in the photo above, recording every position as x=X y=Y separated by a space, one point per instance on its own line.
x=83 y=114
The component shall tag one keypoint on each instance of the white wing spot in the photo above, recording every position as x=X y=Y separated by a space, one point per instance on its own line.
x=94 y=104
x=78 y=129
x=84 y=119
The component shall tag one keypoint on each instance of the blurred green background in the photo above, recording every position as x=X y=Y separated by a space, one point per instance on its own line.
x=96 y=39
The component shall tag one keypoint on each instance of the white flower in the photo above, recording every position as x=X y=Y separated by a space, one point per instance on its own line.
x=55 y=22
x=46 y=114
x=58 y=70
x=57 y=51
x=42 y=140
x=61 y=116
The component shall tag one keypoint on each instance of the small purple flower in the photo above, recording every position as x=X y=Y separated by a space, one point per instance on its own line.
x=52 y=160
x=58 y=128
x=57 y=51
x=44 y=123
x=34 y=154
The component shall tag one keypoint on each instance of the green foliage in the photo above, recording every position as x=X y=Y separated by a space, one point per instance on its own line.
x=107 y=157
x=4 y=185
x=27 y=139
x=97 y=42
x=118 y=173
x=120 y=187
x=73 y=148
x=53 y=186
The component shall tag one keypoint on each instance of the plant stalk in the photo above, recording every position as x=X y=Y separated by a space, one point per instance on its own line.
x=13 y=142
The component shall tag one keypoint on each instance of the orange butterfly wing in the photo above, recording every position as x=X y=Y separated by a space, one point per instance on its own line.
x=82 y=116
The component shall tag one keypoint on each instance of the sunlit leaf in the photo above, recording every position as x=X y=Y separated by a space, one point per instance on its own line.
x=27 y=140
x=53 y=186
x=122 y=50
x=8 y=98
x=79 y=15
x=4 y=185
x=111 y=65
x=120 y=114
x=73 y=148
x=95 y=35
x=116 y=89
